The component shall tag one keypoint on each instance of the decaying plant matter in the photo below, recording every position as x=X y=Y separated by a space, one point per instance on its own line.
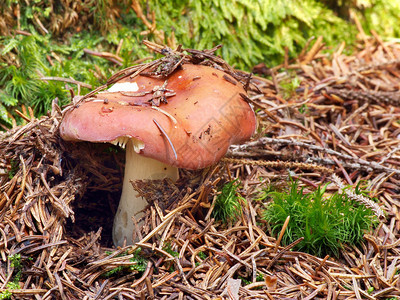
x=318 y=131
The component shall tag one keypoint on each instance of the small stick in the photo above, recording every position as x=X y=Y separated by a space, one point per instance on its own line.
x=121 y=41
x=321 y=265
x=360 y=162
x=315 y=293
x=277 y=164
x=314 y=50
x=165 y=113
x=284 y=250
x=346 y=175
x=380 y=42
x=153 y=248
x=68 y=80
x=166 y=136
x=159 y=227
x=107 y=55
x=22 y=32
x=22 y=115
x=41 y=25
x=144 y=276
x=282 y=233
x=23 y=184
x=304 y=50
x=150 y=289
x=178 y=264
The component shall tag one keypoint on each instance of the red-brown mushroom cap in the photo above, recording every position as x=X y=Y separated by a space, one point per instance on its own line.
x=209 y=112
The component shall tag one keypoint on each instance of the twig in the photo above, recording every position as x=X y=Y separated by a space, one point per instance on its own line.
x=359 y=198
x=278 y=164
x=283 y=251
x=167 y=137
x=278 y=241
x=109 y=56
x=360 y=162
x=68 y=80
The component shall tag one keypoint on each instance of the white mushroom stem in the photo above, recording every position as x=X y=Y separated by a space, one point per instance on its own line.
x=136 y=167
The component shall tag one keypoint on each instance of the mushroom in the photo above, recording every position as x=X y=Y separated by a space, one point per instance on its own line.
x=186 y=121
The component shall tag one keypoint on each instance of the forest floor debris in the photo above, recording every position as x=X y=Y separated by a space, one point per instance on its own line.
x=321 y=115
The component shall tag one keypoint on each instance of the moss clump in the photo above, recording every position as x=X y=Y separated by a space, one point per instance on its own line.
x=139 y=264
x=227 y=206
x=325 y=222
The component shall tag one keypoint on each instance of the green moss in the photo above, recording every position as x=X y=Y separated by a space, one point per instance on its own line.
x=5 y=295
x=325 y=222
x=139 y=264
x=371 y=13
x=251 y=31
x=202 y=255
x=247 y=280
x=289 y=85
x=227 y=206
x=168 y=248
x=21 y=81
x=15 y=262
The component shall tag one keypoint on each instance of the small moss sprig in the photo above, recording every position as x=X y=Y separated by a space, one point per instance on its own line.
x=15 y=262
x=325 y=222
x=227 y=206
x=139 y=264
x=5 y=294
x=289 y=86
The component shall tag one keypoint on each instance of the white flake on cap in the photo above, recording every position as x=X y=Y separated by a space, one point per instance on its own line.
x=124 y=87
